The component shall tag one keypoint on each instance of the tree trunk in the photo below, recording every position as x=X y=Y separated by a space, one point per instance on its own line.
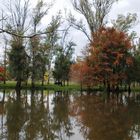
x=129 y=89
x=81 y=86
x=48 y=82
x=33 y=69
x=42 y=82
x=67 y=82
x=33 y=83
x=49 y=67
x=18 y=84
x=18 y=94
x=108 y=88
x=5 y=65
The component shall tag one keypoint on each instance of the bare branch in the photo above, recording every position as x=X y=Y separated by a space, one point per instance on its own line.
x=79 y=26
x=27 y=36
x=40 y=11
x=94 y=12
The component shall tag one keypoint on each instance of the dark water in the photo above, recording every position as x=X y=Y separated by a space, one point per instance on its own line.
x=48 y=115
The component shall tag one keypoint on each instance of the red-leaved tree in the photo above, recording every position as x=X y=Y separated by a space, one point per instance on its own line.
x=109 y=56
x=2 y=70
x=80 y=73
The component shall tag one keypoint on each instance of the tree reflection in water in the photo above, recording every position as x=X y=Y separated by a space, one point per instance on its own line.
x=114 y=118
x=61 y=117
x=44 y=115
x=34 y=116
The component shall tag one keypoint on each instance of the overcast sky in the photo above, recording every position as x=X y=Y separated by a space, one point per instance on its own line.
x=121 y=7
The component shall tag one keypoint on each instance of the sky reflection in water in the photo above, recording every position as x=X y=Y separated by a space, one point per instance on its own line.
x=49 y=115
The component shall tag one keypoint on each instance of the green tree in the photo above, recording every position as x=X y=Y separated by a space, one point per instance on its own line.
x=133 y=72
x=51 y=42
x=41 y=9
x=63 y=62
x=18 y=59
x=18 y=63
x=125 y=23
x=43 y=51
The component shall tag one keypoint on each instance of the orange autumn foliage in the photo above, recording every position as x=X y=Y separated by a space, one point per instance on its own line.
x=80 y=73
x=109 y=56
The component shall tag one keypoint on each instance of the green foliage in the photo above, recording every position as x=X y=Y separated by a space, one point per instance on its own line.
x=41 y=9
x=18 y=62
x=40 y=64
x=133 y=72
x=124 y=23
x=63 y=62
x=51 y=40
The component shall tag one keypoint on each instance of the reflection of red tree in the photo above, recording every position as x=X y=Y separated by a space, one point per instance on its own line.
x=100 y=120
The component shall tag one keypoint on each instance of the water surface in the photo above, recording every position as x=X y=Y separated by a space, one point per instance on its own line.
x=49 y=115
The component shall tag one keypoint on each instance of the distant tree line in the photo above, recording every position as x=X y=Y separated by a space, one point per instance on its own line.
x=33 y=49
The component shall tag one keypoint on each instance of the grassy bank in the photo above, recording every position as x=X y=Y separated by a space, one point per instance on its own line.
x=72 y=86
x=38 y=86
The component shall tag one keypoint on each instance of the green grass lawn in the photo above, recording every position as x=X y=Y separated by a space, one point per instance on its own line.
x=38 y=86
x=12 y=85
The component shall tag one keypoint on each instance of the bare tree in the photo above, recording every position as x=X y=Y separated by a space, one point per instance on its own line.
x=17 y=21
x=94 y=12
x=18 y=16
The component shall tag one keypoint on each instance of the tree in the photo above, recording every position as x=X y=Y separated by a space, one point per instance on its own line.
x=51 y=42
x=2 y=72
x=63 y=62
x=20 y=8
x=134 y=71
x=80 y=73
x=39 y=12
x=109 y=57
x=43 y=50
x=18 y=63
x=5 y=59
x=17 y=55
x=125 y=23
x=94 y=13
